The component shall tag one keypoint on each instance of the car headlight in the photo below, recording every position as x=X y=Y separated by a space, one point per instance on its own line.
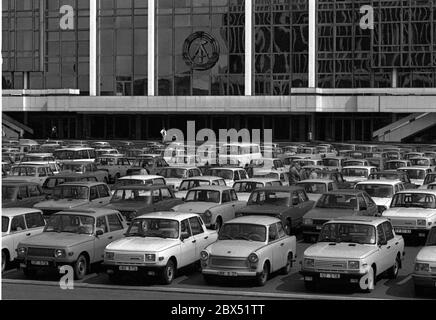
x=308 y=221
x=423 y=267
x=204 y=255
x=21 y=251
x=150 y=257
x=421 y=222
x=59 y=253
x=109 y=256
x=253 y=258
x=354 y=265
x=309 y=263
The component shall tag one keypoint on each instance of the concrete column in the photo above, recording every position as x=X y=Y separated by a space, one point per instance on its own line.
x=312 y=44
x=394 y=78
x=92 y=48
x=41 y=35
x=151 y=47
x=248 y=47
x=138 y=127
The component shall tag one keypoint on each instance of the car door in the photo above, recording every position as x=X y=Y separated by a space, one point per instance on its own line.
x=392 y=242
x=19 y=230
x=188 y=245
x=382 y=258
x=168 y=200
x=274 y=247
x=23 y=199
x=42 y=175
x=103 y=240
x=283 y=246
x=35 y=194
x=104 y=195
x=94 y=199
x=35 y=223
x=227 y=208
x=201 y=238
x=363 y=207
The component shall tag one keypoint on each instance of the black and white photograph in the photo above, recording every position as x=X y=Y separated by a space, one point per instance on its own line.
x=240 y=152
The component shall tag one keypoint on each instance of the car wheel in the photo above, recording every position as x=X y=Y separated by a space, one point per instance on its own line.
x=29 y=273
x=370 y=281
x=4 y=261
x=80 y=267
x=286 y=269
x=393 y=271
x=263 y=276
x=169 y=272
x=218 y=224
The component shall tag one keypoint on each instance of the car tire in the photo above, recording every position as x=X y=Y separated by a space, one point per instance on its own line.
x=169 y=272
x=29 y=273
x=286 y=269
x=80 y=267
x=393 y=271
x=218 y=224
x=4 y=261
x=262 y=277
x=371 y=281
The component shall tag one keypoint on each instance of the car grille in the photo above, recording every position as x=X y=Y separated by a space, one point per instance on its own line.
x=225 y=262
x=40 y=252
x=403 y=222
x=330 y=265
x=129 y=258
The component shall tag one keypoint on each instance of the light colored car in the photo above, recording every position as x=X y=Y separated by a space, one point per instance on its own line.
x=356 y=162
x=423 y=162
x=143 y=179
x=315 y=188
x=267 y=164
x=432 y=186
x=413 y=212
x=381 y=191
x=115 y=164
x=393 y=165
x=425 y=265
x=274 y=174
x=158 y=244
x=17 y=225
x=249 y=247
x=215 y=204
x=353 y=250
x=30 y=172
x=357 y=173
x=416 y=174
x=73 y=237
x=429 y=179
x=73 y=195
x=334 y=163
x=175 y=175
x=229 y=174
x=190 y=183
x=244 y=188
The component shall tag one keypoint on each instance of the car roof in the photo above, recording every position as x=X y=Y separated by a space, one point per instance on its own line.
x=71 y=174
x=362 y=219
x=315 y=181
x=261 y=220
x=39 y=154
x=12 y=212
x=141 y=187
x=173 y=215
x=358 y=167
x=216 y=188
x=179 y=167
x=74 y=149
x=345 y=191
x=95 y=212
x=18 y=182
x=414 y=168
x=283 y=188
x=210 y=178
x=227 y=168
x=260 y=179
x=83 y=183
x=140 y=177
x=390 y=182
x=420 y=191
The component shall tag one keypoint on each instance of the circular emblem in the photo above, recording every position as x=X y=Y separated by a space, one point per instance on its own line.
x=201 y=51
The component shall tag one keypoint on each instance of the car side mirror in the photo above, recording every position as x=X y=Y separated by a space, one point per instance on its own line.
x=99 y=232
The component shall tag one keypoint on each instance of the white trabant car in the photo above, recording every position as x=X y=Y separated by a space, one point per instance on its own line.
x=353 y=250
x=244 y=188
x=416 y=174
x=190 y=183
x=424 y=275
x=175 y=175
x=429 y=179
x=381 y=191
x=250 y=246
x=158 y=244
x=229 y=174
x=413 y=212
x=241 y=153
x=215 y=204
x=315 y=188
x=17 y=225
x=357 y=173
x=273 y=174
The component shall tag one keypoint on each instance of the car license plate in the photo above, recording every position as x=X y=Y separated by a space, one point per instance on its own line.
x=408 y=231
x=128 y=268
x=39 y=263
x=330 y=275
x=228 y=274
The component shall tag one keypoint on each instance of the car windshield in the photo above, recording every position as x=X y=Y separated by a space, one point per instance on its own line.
x=313 y=187
x=159 y=228
x=71 y=192
x=270 y=197
x=415 y=173
x=203 y=196
x=23 y=171
x=67 y=155
x=243 y=231
x=130 y=182
x=420 y=162
x=385 y=176
x=330 y=162
x=147 y=162
x=414 y=200
x=338 y=201
x=430 y=178
x=75 y=167
x=70 y=223
x=173 y=173
x=431 y=238
x=354 y=172
x=353 y=163
x=132 y=195
x=189 y=184
x=225 y=174
x=5 y=224
x=247 y=186
x=377 y=190
x=348 y=232
x=8 y=193
x=395 y=165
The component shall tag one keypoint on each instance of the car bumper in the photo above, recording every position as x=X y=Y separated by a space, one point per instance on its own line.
x=335 y=277
x=230 y=273
x=413 y=233
x=428 y=281
x=41 y=263
x=152 y=270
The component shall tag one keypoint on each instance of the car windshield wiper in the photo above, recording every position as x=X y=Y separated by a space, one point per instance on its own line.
x=243 y=238
x=226 y=236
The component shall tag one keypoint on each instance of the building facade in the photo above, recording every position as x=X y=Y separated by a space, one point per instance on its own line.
x=123 y=69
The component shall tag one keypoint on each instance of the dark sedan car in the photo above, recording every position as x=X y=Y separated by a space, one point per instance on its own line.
x=336 y=204
x=286 y=203
x=136 y=200
x=21 y=194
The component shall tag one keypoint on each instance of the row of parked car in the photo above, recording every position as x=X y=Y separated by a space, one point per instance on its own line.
x=156 y=222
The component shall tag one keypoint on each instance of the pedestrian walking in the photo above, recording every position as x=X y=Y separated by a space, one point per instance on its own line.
x=294 y=174
x=163 y=132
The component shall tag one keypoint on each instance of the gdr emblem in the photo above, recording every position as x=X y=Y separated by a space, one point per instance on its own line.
x=201 y=51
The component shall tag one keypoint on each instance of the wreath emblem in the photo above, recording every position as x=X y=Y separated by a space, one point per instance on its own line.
x=201 y=51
